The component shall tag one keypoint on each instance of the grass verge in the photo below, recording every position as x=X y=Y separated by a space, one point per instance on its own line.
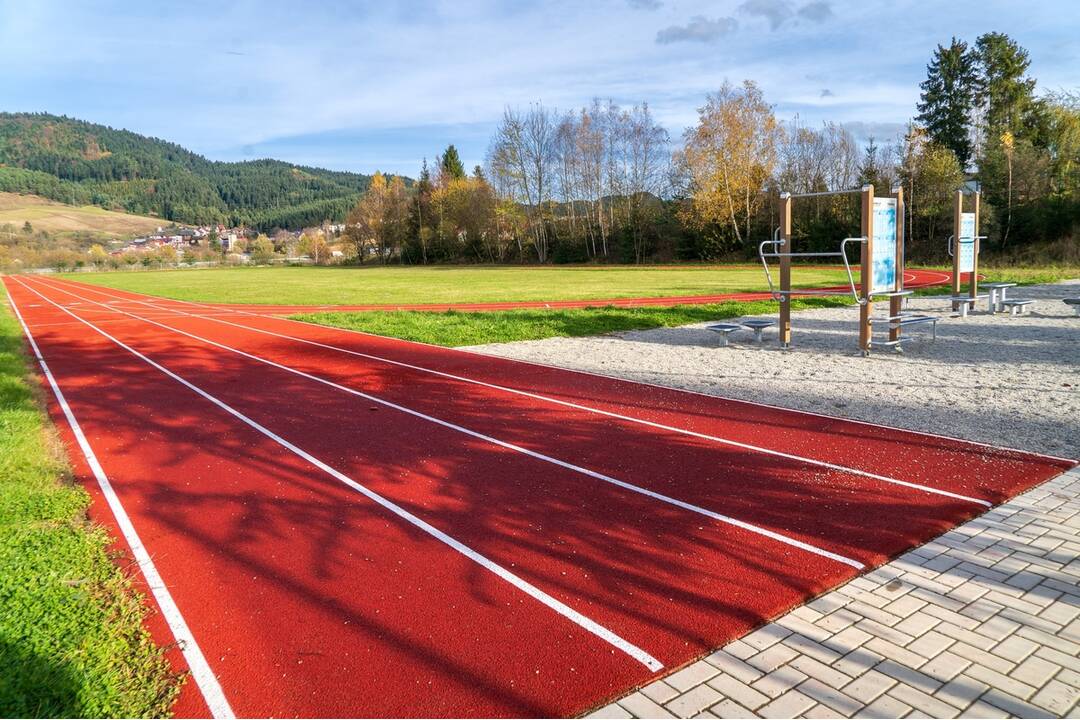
x=455 y=329
x=411 y=285
x=72 y=640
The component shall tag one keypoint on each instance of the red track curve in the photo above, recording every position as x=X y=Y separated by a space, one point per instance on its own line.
x=307 y=598
x=913 y=278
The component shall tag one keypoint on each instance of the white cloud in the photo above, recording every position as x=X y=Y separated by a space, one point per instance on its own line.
x=699 y=29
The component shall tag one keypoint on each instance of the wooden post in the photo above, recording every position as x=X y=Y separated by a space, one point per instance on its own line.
x=958 y=211
x=896 y=301
x=866 y=267
x=973 y=283
x=785 y=270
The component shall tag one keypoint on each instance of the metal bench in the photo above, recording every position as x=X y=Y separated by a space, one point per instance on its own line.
x=997 y=293
x=758 y=326
x=906 y=319
x=965 y=302
x=1074 y=303
x=1016 y=306
x=723 y=330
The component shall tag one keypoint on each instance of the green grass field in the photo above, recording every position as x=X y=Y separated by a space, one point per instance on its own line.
x=446 y=284
x=454 y=329
x=72 y=641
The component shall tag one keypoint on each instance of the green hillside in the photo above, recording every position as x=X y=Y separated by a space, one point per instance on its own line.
x=82 y=163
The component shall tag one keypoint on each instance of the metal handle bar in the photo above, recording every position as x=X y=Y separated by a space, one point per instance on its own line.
x=782 y=294
x=963 y=240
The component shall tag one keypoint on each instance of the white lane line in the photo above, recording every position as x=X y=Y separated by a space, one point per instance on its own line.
x=764 y=532
x=531 y=590
x=204 y=677
x=586 y=408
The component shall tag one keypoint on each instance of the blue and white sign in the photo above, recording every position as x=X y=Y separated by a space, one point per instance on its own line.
x=883 y=260
x=965 y=248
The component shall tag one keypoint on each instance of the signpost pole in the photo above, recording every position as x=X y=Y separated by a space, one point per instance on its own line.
x=973 y=283
x=958 y=212
x=896 y=301
x=785 y=270
x=866 y=267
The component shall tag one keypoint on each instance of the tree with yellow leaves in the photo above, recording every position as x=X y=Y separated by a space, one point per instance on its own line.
x=728 y=158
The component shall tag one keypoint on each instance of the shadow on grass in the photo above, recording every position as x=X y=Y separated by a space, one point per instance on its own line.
x=456 y=329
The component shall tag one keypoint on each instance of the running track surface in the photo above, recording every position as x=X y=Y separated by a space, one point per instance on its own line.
x=350 y=525
x=913 y=278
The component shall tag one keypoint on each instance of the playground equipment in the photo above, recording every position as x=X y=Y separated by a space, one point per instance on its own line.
x=964 y=250
x=881 y=263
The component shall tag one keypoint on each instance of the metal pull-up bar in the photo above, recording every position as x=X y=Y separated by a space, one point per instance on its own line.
x=823 y=193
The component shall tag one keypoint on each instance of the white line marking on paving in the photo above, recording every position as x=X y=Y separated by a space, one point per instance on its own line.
x=517 y=448
x=590 y=409
x=200 y=670
x=536 y=593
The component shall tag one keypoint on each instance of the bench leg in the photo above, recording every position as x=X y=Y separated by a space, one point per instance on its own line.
x=757 y=335
x=963 y=309
x=723 y=339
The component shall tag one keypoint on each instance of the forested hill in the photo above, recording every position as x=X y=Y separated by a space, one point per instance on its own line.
x=83 y=163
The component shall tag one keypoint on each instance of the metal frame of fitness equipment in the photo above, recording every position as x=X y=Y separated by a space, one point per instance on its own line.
x=881 y=262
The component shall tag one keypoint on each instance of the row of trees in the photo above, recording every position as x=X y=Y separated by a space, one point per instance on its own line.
x=602 y=183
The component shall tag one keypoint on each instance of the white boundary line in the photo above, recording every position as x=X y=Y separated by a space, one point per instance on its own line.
x=204 y=677
x=576 y=406
x=719 y=517
x=523 y=585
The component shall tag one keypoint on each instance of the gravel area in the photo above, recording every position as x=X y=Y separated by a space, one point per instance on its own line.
x=1009 y=381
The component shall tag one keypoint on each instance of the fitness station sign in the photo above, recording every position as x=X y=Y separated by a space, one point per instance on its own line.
x=883 y=260
x=965 y=245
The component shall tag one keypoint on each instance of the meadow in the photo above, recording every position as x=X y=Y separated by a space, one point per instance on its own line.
x=447 y=284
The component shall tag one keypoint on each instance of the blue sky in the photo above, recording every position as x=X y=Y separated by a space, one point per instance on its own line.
x=367 y=85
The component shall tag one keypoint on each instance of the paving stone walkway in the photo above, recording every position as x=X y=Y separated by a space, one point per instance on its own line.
x=982 y=622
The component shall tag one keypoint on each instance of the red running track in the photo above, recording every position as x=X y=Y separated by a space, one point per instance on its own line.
x=354 y=525
x=913 y=278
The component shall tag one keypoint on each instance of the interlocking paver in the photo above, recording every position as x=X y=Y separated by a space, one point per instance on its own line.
x=961 y=691
x=774 y=657
x=835 y=699
x=640 y=706
x=791 y=704
x=690 y=676
x=694 y=701
x=1057 y=697
x=779 y=681
x=738 y=691
x=870 y=686
x=945 y=666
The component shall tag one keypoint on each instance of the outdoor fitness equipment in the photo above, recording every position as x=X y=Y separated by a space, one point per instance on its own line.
x=964 y=250
x=881 y=263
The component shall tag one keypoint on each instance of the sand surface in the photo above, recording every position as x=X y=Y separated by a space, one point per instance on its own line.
x=1009 y=381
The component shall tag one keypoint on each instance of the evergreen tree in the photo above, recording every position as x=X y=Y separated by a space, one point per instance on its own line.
x=948 y=98
x=451 y=165
x=870 y=169
x=1005 y=93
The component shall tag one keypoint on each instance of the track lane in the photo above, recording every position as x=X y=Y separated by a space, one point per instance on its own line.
x=680 y=553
